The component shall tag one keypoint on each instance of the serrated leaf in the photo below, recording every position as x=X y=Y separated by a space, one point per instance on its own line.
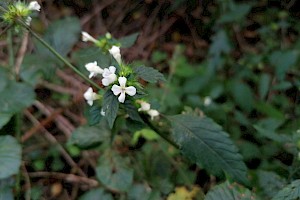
x=110 y=107
x=15 y=97
x=87 y=136
x=149 y=74
x=96 y=194
x=10 y=156
x=129 y=40
x=205 y=143
x=270 y=183
x=290 y=192
x=226 y=191
x=61 y=35
x=114 y=172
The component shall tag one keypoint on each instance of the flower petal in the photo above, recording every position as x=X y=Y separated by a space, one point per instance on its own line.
x=130 y=90
x=90 y=102
x=122 y=80
x=112 y=69
x=116 y=89
x=122 y=97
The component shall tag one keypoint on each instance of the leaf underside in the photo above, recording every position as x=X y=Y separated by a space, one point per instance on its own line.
x=290 y=192
x=110 y=107
x=149 y=74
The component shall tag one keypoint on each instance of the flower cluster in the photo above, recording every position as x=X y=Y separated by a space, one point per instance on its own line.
x=109 y=75
x=20 y=10
x=146 y=107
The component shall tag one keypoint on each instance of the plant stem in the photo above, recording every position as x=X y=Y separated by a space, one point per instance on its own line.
x=57 y=55
x=159 y=132
x=18 y=116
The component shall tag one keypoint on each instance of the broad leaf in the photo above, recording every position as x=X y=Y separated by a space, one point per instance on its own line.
x=10 y=156
x=132 y=111
x=61 y=35
x=110 y=107
x=226 y=191
x=93 y=114
x=114 y=172
x=270 y=183
x=15 y=97
x=236 y=14
x=290 y=192
x=205 y=143
x=149 y=74
x=129 y=40
x=4 y=119
x=242 y=95
x=96 y=194
x=87 y=136
x=6 y=189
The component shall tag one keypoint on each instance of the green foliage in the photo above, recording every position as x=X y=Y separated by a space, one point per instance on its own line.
x=110 y=107
x=10 y=156
x=149 y=74
x=129 y=40
x=204 y=142
x=96 y=194
x=227 y=191
x=290 y=192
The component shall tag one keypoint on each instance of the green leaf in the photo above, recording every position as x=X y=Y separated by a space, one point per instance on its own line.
x=132 y=111
x=226 y=191
x=3 y=78
x=93 y=114
x=272 y=135
x=242 y=95
x=237 y=13
x=270 y=183
x=148 y=134
x=110 y=107
x=61 y=35
x=220 y=44
x=114 y=172
x=96 y=194
x=290 y=192
x=129 y=40
x=4 y=119
x=264 y=85
x=269 y=110
x=283 y=61
x=6 y=189
x=10 y=156
x=149 y=74
x=87 y=136
x=205 y=143
x=15 y=97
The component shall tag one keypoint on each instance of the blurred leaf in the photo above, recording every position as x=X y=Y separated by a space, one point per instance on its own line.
x=6 y=189
x=128 y=41
x=242 y=95
x=139 y=191
x=149 y=74
x=280 y=138
x=61 y=35
x=183 y=68
x=90 y=54
x=270 y=183
x=290 y=192
x=87 y=136
x=10 y=156
x=264 y=85
x=249 y=150
x=114 y=172
x=228 y=191
x=15 y=97
x=237 y=13
x=205 y=143
x=110 y=107
x=283 y=61
x=96 y=194
x=148 y=134
x=220 y=44
x=269 y=110
x=158 y=56
x=3 y=78
x=4 y=119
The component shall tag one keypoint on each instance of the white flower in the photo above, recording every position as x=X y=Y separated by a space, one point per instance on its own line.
x=28 y=21
x=207 y=101
x=153 y=113
x=144 y=106
x=102 y=112
x=90 y=96
x=115 y=52
x=87 y=37
x=94 y=69
x=122 y=89
x=109 y=76
x=34 y=5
